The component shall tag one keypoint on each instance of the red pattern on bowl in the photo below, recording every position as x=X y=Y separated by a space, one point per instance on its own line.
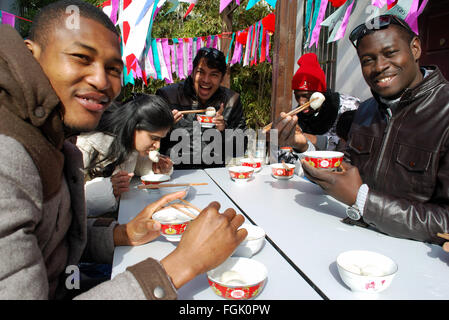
x=241 y=172
x=237 y=293
x=278 y=170
x=172 y=229
x=255 y=163
x=204 y=119
x=154 y=178
x=253 y=276
x=324 y=159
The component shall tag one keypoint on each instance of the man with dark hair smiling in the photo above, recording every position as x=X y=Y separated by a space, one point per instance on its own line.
x=200 y=90
x=398 y=179
x=53 y=86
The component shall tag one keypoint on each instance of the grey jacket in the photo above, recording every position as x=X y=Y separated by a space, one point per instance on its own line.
x=43 y=225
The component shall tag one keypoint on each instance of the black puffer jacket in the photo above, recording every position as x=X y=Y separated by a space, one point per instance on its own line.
x=182 y=96
x=405 y=160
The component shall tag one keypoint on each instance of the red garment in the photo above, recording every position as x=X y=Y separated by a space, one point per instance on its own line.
x=310 y=76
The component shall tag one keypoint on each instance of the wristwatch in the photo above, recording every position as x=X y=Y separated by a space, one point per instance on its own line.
x=353 y=212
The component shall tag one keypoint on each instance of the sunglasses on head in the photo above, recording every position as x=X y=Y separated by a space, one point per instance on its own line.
x=376 y=23
x=216 y=53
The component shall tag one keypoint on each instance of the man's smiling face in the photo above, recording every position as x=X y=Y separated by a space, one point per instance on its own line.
x=84 y=67
x=206 y=81
x=389 y=61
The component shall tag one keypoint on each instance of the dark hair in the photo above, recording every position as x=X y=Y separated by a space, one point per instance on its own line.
x=215 y=59
x=344 y=123
x=52 y=14
x=143 y=112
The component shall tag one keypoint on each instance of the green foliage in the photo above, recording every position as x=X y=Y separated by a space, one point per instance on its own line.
x=254 y=85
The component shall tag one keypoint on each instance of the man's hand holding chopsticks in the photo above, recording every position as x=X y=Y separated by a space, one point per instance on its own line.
x=289 y=133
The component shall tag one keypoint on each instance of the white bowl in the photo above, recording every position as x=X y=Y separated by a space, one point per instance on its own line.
x=366 y=271
x=154 y=178
x=238 y=278
x=253 y=242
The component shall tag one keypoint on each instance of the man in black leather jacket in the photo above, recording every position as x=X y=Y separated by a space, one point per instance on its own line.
x=398 y=179
x=200 y=90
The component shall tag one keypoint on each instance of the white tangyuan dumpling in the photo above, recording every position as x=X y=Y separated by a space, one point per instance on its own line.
x=353 y=268
x=210 y=112
x=317 y=99
x=232 y=278
x=372 y=270
x=154 y=156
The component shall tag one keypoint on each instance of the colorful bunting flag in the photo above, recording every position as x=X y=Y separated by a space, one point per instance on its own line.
x=8 y=18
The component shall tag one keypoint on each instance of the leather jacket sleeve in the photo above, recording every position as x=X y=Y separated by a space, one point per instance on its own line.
x=233 y=113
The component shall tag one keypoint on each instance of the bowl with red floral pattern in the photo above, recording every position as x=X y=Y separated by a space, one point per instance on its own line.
x=324 y=159
x=174 y=221
x=241 y=173
x=205 y=121
x=255 y=163
x=238 y=278
x=282 y=170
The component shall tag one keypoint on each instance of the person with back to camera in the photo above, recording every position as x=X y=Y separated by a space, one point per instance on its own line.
x=319 y=126
x=202 y=89
x=396 y=175
x=54 y=86
x=124 y=144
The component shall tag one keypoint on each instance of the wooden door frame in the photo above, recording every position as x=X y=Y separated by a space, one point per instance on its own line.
x=283 y=56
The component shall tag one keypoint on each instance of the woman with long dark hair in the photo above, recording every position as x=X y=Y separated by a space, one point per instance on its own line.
x=120 y=147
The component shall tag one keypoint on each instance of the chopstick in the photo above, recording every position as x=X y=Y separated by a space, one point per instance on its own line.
x=167 y=185
x=176 y=206
x=191 y=205
x=291 y=113
x=284 y=165
x=443 y=235
x=193 y=111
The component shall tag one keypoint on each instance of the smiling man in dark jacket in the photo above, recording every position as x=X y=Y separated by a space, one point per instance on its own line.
x=202 y=89
x=398 y=179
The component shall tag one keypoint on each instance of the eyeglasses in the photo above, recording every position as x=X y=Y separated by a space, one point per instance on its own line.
x=376 y=23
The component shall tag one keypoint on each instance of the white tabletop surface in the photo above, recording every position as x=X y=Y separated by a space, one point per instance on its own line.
x=284 y=282
x=306 y=225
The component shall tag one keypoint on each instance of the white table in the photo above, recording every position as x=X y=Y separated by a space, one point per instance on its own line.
x=284 y=282
x=306 y=225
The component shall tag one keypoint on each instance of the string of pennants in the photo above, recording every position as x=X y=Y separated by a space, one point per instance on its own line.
x=9 y=18
x=146 y=57
x=167 y=57
x=337 y=22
